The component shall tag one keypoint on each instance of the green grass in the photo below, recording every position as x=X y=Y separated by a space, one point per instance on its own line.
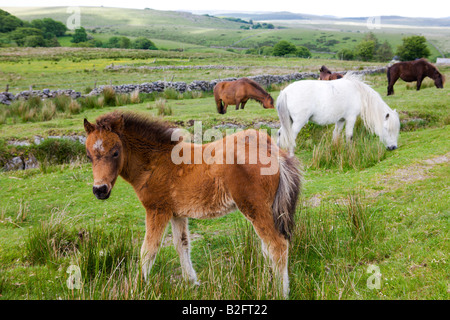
x=391 y=212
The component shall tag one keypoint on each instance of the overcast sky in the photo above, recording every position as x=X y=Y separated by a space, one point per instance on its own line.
x=340 y=8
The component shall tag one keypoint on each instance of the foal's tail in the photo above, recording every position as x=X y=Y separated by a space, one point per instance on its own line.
x=283 y=207
x=285 y=139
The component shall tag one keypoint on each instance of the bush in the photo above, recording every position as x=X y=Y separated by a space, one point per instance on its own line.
x=303 y=52
x=80 y=35
x=283 y=48
x=144 y=43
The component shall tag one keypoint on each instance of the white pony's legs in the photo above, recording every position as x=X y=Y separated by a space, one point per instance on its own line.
x=337 y=130
x=181 y=242
x=349 y=124
x=296 y=127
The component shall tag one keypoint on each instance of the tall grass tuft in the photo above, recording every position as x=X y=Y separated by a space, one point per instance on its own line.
x=109 y=96
x=74 y=107
x=51 y=239
x=135 y=97
x=171 y=93
x=163 y=108
x=330 y=246
x=365 y=150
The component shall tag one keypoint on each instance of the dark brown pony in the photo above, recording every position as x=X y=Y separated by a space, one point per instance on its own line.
x=238 y=92
x=410 y=71
x=176 y=180
x=326 y=74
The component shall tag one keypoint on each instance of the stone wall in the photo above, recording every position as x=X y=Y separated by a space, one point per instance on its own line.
x=159 y=86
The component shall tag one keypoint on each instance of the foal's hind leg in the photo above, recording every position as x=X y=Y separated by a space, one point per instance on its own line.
x=274 y=244
x=276 y=247
x=181 y=241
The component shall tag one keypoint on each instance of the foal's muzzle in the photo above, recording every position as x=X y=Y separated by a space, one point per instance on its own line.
x=390 y=148
x=101 y=192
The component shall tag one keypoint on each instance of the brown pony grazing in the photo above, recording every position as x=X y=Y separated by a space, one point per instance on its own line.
x=176 y=180
x=326 y=74
x=410 y=71
x=238 y=92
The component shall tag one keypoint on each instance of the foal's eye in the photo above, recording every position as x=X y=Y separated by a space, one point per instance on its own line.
x=116 y=154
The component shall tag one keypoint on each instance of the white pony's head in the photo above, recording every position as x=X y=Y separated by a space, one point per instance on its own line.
x=391 y=128
x=376 y=114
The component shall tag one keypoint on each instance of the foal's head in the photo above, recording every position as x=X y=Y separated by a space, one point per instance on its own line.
x=104 y=149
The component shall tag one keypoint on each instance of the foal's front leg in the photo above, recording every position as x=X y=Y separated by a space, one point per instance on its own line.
x=155 y=224
x=181 y=242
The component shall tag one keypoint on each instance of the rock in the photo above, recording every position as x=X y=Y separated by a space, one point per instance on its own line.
x=31 y=163
x=15 y=163
x=18 y=143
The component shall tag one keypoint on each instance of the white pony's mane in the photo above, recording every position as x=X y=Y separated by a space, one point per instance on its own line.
x=373 y=107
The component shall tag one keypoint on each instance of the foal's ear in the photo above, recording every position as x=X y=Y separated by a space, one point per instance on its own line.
x=88 y=126
x=387 y=116
x=117 y=124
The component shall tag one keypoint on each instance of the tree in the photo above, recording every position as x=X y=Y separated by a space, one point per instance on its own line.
x=365 y=50
x=50 y=27
x=303 y=52
x=124 y=43
x=144 y=43
x=21 y=33
x=80 y=35
x=384 y=52
x=414 y=47
x=8 y=22
x=34 y=41
x=113 y=42
x=345 y=54
x=119 y=42
x=283 y=48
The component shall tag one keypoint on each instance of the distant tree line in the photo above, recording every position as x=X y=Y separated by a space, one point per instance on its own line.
x=37 y=33
x=370 y=49
x=282 y=48
x=80 y=38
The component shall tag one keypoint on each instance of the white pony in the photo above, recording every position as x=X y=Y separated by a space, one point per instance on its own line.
x=336 y=101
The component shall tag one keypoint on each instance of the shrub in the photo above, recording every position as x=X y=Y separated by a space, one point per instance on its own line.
x=283 y=48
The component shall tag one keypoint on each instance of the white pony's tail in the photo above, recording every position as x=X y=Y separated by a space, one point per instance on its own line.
x=286 y=139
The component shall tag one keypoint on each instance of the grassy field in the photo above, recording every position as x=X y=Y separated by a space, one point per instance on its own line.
x=392 y=213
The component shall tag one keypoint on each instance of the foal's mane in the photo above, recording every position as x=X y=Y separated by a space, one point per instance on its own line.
x=138 y=127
